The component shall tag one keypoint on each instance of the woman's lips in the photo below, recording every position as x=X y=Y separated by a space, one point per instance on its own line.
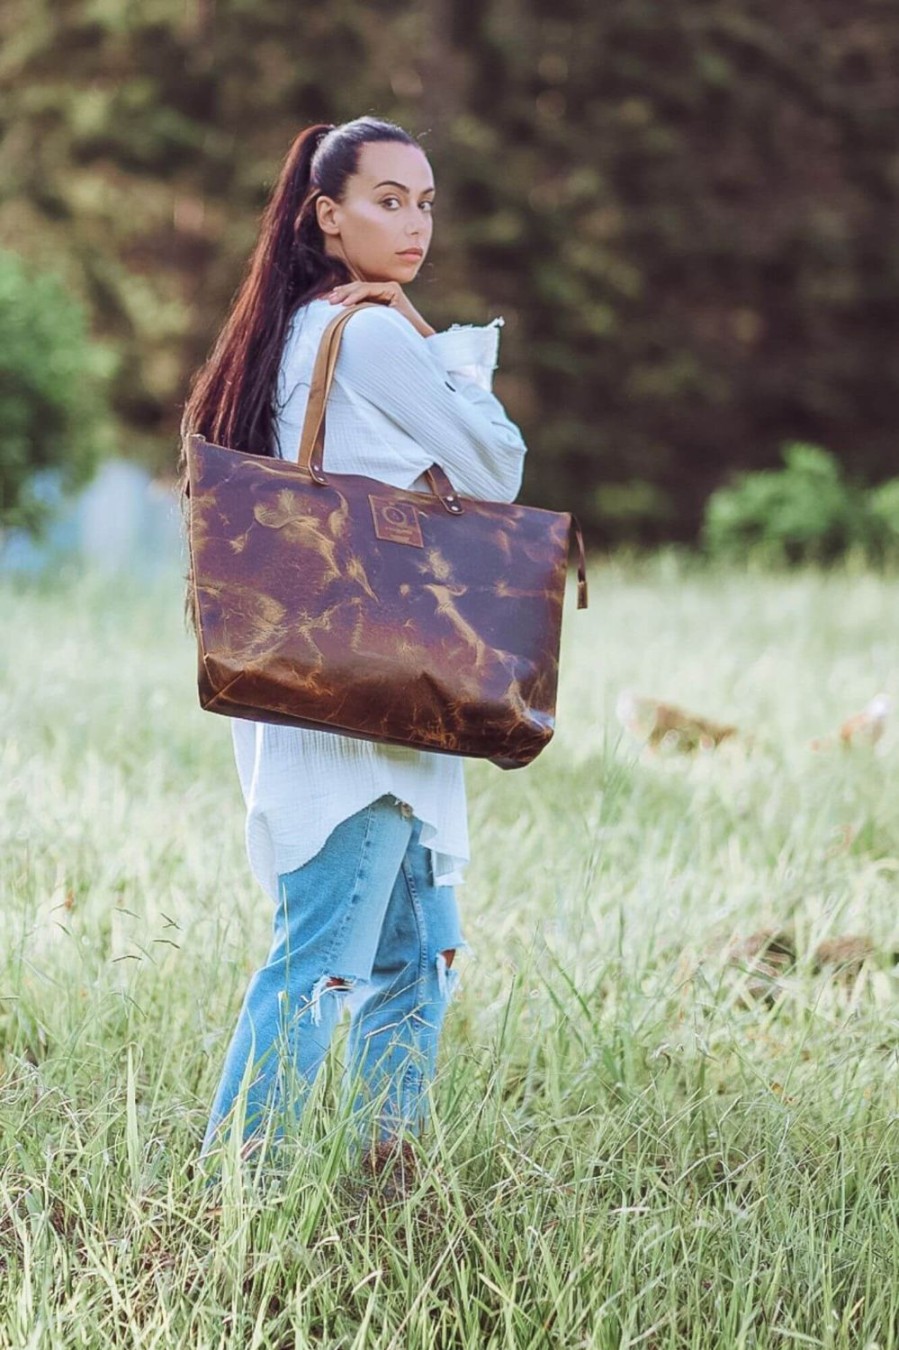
x=411 y=253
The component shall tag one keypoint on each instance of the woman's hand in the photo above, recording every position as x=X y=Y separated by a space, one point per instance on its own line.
x=384 y=293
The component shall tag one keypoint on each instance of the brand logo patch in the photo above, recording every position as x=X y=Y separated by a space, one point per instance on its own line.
x=396 y=521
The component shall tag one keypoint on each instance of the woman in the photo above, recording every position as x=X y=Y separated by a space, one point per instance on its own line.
x=359 y=845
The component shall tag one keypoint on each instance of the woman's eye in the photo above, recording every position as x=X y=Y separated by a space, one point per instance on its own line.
x=395 y=201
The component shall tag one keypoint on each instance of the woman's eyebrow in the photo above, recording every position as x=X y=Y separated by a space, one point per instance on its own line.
x=391 y=182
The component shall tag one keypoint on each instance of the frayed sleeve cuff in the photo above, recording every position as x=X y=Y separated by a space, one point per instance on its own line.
x=468 y=351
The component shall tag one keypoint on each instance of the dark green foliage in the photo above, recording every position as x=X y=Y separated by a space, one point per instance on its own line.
x=883 y=508
x=684 y=212
x=805 y=512
x=52 y=411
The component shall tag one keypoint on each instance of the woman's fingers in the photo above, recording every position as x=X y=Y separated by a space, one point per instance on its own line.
x=353 y=291
x=388 y=293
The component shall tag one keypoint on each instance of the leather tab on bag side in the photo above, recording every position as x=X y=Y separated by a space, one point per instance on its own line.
x=443 y=488
x=581 y=566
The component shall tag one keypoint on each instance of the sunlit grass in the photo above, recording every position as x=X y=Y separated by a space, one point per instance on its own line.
x=635 y=1143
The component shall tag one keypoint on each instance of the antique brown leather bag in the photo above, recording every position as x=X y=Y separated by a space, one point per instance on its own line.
x=344 y=604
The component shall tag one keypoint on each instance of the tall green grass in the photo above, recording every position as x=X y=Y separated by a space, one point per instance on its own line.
x=632 y=1146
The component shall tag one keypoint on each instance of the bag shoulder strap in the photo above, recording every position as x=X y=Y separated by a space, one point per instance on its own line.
x=312 y=437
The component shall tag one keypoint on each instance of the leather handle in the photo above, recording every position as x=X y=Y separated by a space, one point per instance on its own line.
x=312 y=437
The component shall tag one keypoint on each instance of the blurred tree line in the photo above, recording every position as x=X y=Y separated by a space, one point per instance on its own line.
x=685 y=212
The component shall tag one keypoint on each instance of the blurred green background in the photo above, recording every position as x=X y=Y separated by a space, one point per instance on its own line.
x=686 y=214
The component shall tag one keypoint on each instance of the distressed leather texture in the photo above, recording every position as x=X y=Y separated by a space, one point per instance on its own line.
x=344 y=604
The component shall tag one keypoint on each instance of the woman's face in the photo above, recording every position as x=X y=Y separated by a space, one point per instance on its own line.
x=382 y=228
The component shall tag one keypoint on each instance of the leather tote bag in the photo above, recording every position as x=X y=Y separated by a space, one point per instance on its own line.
x=340 y=603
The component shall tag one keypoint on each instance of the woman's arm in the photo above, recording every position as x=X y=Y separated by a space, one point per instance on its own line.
x=458 y=424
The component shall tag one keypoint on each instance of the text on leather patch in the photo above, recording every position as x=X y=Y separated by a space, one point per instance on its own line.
x=396 y=521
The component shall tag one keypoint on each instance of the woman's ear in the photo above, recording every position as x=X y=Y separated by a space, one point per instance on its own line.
x=326 y=215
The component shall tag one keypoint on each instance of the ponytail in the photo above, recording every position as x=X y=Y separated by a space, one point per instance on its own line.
x=230 y=403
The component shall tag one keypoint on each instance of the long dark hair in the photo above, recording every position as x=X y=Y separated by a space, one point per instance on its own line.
x=231 y=398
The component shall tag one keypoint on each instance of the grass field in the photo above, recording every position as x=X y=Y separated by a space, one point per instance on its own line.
x=639 y=1140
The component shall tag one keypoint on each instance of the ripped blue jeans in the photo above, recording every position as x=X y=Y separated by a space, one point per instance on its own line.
x=362 y=925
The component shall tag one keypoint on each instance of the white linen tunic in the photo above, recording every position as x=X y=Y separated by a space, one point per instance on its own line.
x=399 y=403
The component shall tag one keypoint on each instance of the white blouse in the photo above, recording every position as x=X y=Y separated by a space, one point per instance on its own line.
x=399 y=403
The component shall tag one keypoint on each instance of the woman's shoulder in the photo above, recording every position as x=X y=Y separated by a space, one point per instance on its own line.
x=302 y=336
x=305 y=318
x=381 y=320
x=309 y=321
x=379 y=337
x=375 y=340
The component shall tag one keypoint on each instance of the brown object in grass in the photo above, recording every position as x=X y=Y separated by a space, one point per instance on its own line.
x=391 y=1163
x=770 y=950
x=863 y=728
x=847 y=954
x=665 y=725
x=764 y=955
